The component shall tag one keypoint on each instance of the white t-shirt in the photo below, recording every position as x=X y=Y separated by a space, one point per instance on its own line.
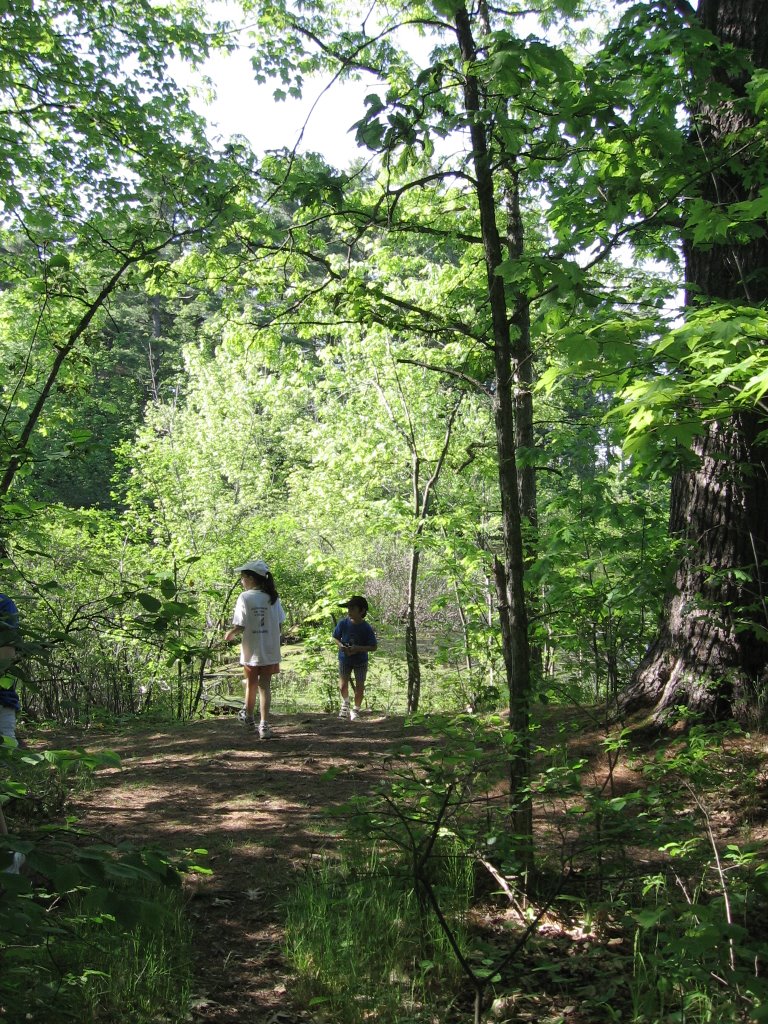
x=261 y=621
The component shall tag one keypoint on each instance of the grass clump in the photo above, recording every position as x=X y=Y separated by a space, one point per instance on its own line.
x=97 y=967
x=365 y=946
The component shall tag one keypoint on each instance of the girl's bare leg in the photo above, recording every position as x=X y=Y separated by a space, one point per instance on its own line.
x=251 y=687
x=265 y=697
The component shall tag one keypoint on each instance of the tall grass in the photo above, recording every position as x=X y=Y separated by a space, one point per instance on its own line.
x=365 y=947
x=101 y=971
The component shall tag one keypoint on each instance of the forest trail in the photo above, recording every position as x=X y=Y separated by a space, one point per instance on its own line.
x=260 y=809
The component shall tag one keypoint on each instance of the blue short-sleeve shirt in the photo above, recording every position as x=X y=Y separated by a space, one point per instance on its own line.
x=359 y=634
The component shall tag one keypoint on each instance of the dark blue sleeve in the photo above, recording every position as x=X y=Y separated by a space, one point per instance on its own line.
x=9 y=620
x=337 y=633
x=9 y=698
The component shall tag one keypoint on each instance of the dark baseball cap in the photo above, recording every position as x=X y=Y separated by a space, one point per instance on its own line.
x=356 y=601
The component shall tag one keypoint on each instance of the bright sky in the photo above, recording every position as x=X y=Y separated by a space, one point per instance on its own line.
x=244 y=107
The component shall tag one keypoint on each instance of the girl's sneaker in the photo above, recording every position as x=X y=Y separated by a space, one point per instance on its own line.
x=354 y=713
x=344 y=711
x=265 y=731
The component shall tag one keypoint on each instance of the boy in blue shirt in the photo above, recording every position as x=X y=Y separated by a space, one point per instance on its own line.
x=355 y=640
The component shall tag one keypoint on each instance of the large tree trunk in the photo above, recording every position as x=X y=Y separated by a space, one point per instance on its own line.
x=705 y=656
x=710 y=654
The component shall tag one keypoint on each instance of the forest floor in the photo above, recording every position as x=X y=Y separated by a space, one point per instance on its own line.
x=264 y=811
x=261 y=808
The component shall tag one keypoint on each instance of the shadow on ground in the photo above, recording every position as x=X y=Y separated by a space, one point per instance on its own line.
x=261 y=811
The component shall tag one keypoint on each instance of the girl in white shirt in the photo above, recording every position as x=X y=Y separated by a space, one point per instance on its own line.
x=257 y=619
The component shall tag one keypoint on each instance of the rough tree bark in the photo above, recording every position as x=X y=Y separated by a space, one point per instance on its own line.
x=509 y=574
x=706 y=657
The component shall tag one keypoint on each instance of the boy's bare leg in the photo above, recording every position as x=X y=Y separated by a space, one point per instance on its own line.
x=344 y=691
x=360 y=675
x=344 y=688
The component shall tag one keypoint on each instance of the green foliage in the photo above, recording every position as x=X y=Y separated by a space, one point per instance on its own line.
x=41 y=782
x=706 y=368
x=650 y=863
x=361 y=943
x=667 y=911
x=601 y=572
x=604 y=553
x=105 y=168
x=438 y=812
x=139 y=967
x=699 y=913
x=101 y=956
x=91 y=932
x=110 y=635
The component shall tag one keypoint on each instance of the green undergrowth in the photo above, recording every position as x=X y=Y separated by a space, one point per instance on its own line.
x=97 y=967
x=91 y=933
x=646 y=903
x=363 y=943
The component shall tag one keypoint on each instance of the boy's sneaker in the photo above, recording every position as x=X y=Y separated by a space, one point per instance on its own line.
x=265 y=731
x=354 y=713
x=344 y=711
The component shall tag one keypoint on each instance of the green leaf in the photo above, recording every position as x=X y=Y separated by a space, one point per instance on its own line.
x=149 y=602
x=649 y=918
x=580 y=348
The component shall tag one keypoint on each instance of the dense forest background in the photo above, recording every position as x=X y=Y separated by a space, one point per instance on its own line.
x=505 y=373
x=462 y=375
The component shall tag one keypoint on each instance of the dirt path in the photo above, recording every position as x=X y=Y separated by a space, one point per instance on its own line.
x=260 y=809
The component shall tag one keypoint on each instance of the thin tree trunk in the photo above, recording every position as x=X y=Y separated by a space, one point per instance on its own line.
x=522 y=355
x=525 y=440
x=411 y=637
x=422 y=501
x=512 y=608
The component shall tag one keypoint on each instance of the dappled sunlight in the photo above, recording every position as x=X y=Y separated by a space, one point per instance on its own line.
x=254 y=812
